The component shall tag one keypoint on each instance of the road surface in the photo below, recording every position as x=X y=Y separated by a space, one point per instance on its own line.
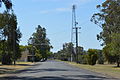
x=55 y=70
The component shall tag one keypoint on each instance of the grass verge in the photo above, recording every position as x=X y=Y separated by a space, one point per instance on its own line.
x=5 y=69
x=106 y=69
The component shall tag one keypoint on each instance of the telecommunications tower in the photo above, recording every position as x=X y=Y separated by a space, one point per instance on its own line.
x=74 y=33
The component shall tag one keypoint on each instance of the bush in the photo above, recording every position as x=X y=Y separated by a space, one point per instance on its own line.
x=92 y=56
x=101 y=58
x=84 y=59
x=93 y=59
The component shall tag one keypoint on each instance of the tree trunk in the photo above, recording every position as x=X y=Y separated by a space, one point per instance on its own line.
x=14 y=62
x=118 y=63
x=6 y=60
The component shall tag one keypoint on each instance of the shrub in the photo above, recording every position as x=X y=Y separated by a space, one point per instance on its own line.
x=92 y=56
x=84 y=59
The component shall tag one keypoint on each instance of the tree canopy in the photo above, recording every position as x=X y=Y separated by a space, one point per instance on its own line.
x=10 y=37
x=7 y=3
x=40 y=42
x=109 y=20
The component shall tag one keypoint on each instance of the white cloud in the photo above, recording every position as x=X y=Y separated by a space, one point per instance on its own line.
x=78 y=2
x=55 y=10
x=68 y=8
x=46 y=0
x=73 y=1
x=45 y=11
x=63 y=9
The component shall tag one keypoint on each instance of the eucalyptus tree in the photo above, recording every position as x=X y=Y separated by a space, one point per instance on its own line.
x=40 y=42
x=10 y=36
x=68 y=51
x=109 y=20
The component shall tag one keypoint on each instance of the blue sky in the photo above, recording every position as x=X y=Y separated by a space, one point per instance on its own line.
x=55 y=16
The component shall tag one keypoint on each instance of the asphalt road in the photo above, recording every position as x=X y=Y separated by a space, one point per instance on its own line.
x=55 y=70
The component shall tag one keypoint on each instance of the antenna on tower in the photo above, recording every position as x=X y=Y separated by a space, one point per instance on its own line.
x=74 y=22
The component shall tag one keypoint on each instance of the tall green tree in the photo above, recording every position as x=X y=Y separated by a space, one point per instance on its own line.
x=112 y=50
x=40 y=42
x=10 y=37
x=67 y=50
x=109 y=20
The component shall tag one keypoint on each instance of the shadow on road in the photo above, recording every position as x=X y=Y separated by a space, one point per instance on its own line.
x=88 y=77
x=64 y=77
x=33 y=78
x=34 y=73
x=30 y=70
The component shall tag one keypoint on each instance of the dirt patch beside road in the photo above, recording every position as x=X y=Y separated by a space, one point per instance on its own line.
x=7 y=69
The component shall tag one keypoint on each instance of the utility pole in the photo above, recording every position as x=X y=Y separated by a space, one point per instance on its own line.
x=75 y=29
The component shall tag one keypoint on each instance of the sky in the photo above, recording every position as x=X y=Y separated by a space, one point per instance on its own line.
x=55 y=16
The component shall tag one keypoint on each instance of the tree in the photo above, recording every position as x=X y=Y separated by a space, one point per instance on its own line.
x=67 y=50
x=23 y=48
x=68 y=53
x=38 y=55
x=109 y=20
x=112 y=50
x=10 y=37
x=7 y=3
x=116 y=47
x=40 y=42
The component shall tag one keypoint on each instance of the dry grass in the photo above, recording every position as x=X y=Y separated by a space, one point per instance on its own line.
x=12 y=68
x=106 y=69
